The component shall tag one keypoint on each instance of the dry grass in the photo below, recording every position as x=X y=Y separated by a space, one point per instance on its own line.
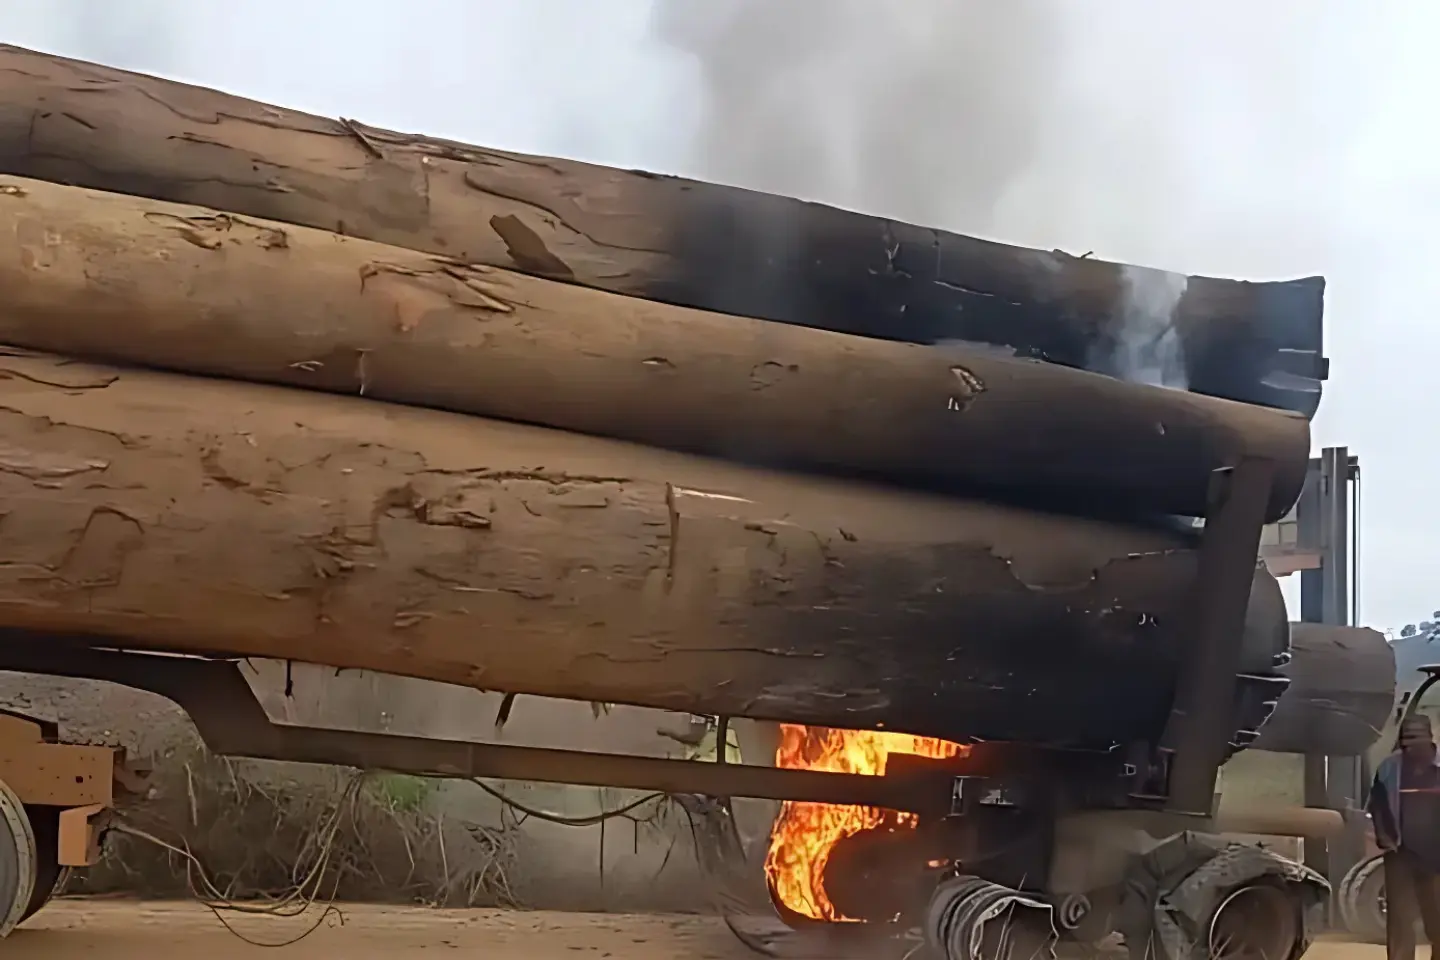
x=257 y=830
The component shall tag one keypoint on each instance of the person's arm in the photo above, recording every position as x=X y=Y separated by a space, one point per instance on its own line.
x=1382 y=815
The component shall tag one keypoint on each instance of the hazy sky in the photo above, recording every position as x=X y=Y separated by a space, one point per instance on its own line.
x=1257 y=140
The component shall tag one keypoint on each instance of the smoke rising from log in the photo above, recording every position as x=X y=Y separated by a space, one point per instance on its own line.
x=932 y=115
x=1049 y=123
x=926 y=112
x=1146 y=348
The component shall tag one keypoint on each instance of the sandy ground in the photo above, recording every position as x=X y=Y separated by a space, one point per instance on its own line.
x=76 y=929
x=92 y=930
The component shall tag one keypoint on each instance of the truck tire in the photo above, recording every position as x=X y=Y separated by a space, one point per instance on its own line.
x=17 y=860
x=1362 y=900
x=49 y=875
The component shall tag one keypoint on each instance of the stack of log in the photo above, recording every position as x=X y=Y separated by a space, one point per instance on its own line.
x=284 y=386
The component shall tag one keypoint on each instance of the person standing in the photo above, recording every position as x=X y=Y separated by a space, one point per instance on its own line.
x=1404 y=806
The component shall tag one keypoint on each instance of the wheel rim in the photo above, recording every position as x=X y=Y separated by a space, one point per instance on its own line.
x=49 y=874
x=17 y=860
x=1369 y=903
x=1356 y=898
x=1254 y=922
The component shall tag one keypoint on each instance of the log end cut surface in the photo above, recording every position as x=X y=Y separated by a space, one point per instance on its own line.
x=1342 y=689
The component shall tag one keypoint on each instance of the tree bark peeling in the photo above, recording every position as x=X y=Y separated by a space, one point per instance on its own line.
x=712 y=247
x=132 y=280
x=165 y=512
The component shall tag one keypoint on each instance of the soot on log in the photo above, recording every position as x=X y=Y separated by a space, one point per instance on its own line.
x=662 y=238
x=134 y=280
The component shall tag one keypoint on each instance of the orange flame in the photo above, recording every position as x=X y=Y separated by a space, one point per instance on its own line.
x=805 y=833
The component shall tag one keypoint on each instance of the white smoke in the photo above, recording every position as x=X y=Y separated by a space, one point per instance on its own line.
x=1146 y=347
x=966 y=115
x=926 y=112
x=1134 y=130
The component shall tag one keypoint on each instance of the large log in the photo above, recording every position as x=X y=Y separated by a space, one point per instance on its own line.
x=133 y=280
x=713 y=247
x=165 y=512
x=1341 y=693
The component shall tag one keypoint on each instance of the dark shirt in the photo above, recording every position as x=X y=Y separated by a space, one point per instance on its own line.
x=1420 y=813
x=1418 y=807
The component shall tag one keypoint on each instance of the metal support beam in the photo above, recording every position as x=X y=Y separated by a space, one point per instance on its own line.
x=1308 y=512
x=1198 y=732
x=231 y=722
x=1344 y=790
x=1324 y=520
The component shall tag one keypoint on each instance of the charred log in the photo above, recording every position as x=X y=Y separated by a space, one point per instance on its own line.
x=1342 y=689
x=122 y=279
x=164 y=512
x=662 y=238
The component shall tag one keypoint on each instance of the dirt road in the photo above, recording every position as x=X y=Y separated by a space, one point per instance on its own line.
x=92 y=930
x=89 y=930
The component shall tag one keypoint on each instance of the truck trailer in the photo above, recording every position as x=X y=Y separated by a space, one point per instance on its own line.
x=962 y=537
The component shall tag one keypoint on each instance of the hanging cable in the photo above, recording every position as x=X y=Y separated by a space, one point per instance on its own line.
x=298 y=900
x=564 y=821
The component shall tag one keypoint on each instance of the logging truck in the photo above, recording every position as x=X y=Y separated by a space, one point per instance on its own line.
x=988 y=615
